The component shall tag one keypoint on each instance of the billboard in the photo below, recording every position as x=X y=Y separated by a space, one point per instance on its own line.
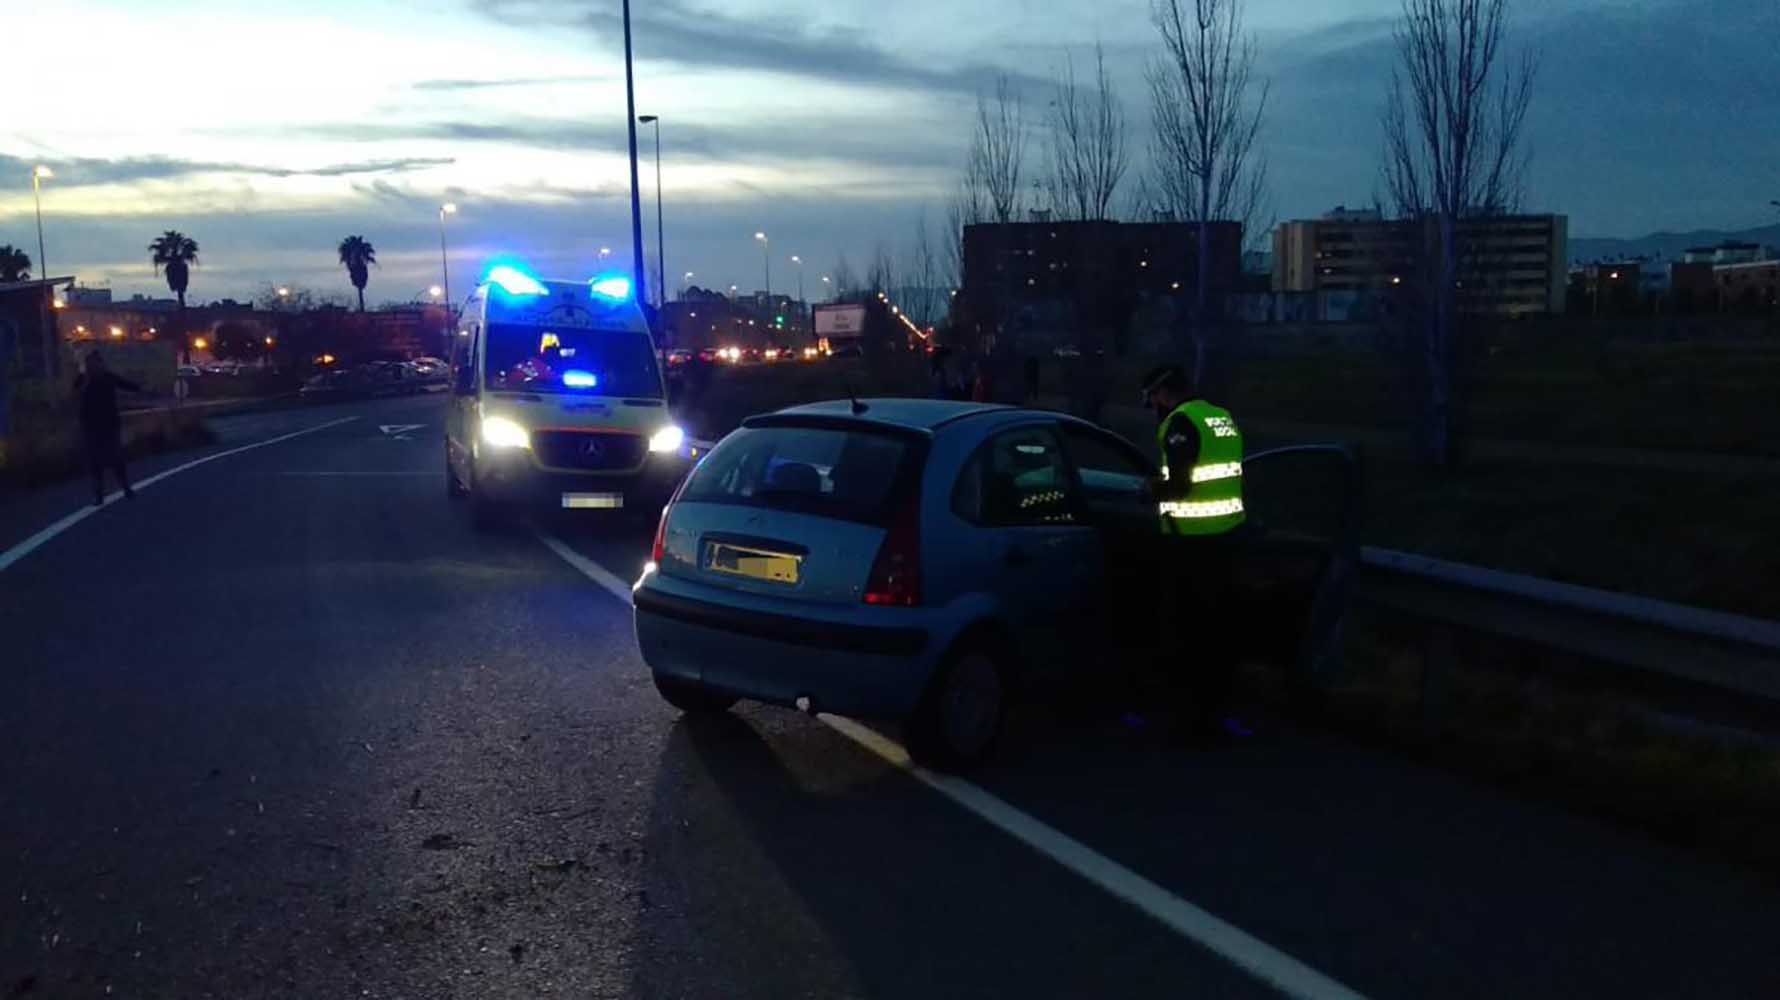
x=840 y=322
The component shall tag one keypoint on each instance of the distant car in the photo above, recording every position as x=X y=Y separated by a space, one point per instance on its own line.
x=1068 y=351
x=678 y=357
x=327 y=384
x=710 y=355
x=846 y=352
x=187 y=371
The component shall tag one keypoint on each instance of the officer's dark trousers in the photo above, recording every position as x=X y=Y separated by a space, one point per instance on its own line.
x=105 y=451
x=1201 y=633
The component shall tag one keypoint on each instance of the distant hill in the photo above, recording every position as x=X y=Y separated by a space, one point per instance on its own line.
x=1666 y=245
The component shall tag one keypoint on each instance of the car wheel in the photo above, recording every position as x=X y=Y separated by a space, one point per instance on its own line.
x=454 y=487
x=486 y=514
x=691 y=697
x=960 y=715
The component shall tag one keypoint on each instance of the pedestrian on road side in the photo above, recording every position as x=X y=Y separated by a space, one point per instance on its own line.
x=1200 y=509
x=101 y=429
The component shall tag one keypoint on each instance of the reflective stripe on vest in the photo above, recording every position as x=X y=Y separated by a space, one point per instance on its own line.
x=1213 y=505
x=1199 y=508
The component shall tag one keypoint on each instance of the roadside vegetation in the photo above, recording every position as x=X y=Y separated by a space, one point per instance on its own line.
x=46 y=448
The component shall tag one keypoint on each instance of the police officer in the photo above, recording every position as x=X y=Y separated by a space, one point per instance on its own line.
x=1199 y=506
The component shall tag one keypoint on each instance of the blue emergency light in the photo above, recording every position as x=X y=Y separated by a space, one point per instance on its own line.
x=513 y=281
x=611 y=287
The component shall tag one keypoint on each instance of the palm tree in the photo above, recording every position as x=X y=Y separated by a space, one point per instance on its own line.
x=176 y=254
x=15 y=264
x=358 y=255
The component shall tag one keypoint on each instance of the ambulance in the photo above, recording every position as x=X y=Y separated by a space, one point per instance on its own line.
x=557 y=400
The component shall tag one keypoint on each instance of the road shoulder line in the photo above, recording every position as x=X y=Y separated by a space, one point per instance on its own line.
x=1236 y=946
x=31 y=544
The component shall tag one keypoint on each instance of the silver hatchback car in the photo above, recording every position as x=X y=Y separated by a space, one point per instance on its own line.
x=901 y=559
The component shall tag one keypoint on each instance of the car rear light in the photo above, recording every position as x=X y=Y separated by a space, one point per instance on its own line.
x=896 y=572
x=659 y=547
x=661 y=528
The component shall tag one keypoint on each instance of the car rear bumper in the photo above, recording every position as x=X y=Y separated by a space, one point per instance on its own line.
x=846 y=667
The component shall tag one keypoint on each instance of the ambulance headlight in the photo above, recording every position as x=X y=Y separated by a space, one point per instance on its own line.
x=499 y=432
x=668 y=439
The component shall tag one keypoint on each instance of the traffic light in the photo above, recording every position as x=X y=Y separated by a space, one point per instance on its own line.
x=779 y=320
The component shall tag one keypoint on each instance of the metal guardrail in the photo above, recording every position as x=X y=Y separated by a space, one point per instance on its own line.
x=1729 y=652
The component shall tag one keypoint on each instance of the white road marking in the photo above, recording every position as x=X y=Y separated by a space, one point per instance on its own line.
x=1247 y=952
x=590 y=569
x=398 y=429
x=29 y=545
x=1284 y=973
x=324 y=473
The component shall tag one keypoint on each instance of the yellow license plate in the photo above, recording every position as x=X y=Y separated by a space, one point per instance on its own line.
x=755 y=564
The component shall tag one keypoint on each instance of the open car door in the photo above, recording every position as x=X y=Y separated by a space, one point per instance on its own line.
x=1298 y=566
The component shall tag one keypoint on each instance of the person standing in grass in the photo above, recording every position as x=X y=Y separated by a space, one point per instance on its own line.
x=101 y=428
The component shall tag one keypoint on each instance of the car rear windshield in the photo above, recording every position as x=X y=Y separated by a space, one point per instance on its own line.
x=848 y=474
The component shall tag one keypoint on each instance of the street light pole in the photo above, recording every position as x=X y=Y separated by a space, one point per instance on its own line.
x=38 y=175
x=636 y=203
x=661 y=267
x=449 y=208
x=766 y=258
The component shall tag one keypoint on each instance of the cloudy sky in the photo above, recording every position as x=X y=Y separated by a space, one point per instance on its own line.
x=269 y=129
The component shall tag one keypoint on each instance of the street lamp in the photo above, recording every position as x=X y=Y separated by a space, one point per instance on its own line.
x=767 y=259
x=39 y=174
x=636 y=205
x=449 y=208
x=435 y=291
x=604 y=253
x=660 y=241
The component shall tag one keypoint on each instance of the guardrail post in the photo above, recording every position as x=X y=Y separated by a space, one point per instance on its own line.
x=1437 y=655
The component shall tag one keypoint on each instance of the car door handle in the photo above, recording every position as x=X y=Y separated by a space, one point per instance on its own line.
x=1015 y=556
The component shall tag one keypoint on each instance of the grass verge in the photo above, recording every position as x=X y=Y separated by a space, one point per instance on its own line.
x=40 y=452
x=1547 y=727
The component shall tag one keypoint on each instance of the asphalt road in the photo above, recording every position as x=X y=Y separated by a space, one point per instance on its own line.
x=286 y=726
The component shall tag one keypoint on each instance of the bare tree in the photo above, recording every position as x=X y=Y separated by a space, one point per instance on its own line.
x=1207 y=107
x=1454 y=126
x=998 y=152
x=926 y=299
x=965 y=209
x=1088 y=149
x=882 y=276
x=845 y=281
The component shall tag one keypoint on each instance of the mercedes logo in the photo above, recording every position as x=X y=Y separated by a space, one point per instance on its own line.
x=593 y=447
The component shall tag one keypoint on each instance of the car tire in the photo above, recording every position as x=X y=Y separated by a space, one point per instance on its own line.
x=486 y=514
x=454 y=487
x=691 y=697
x=958 y=721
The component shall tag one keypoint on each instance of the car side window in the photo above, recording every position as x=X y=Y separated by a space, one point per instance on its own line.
x=1092 y=450
x=1020 y=478
x=1106 y=464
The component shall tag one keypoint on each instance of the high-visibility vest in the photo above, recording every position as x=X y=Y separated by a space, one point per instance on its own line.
x=1213 y=503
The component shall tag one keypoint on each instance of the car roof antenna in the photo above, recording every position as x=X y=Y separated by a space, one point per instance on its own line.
x=853 y=397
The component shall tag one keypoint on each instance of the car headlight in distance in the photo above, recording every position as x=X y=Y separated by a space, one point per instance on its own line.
x=668 y=439
x=499 y=432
